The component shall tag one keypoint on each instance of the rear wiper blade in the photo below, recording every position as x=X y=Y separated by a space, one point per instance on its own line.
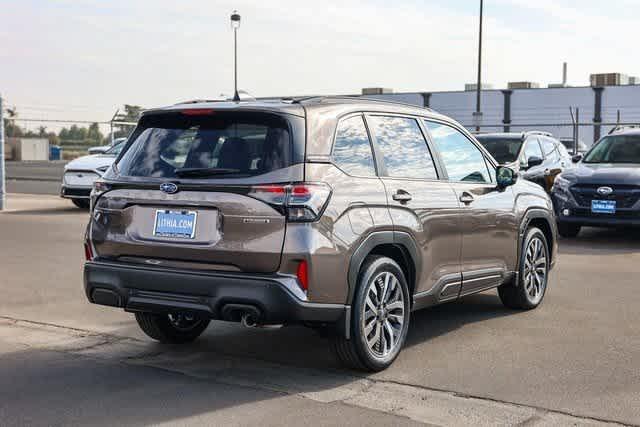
x=204 y=171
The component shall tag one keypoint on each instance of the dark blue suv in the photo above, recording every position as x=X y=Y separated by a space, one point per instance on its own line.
x=604 y=189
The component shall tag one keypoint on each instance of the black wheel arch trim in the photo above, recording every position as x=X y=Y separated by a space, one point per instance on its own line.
x=373 y=240
x=530 y=215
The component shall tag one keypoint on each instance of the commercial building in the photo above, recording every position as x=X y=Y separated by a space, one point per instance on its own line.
x=525 y=106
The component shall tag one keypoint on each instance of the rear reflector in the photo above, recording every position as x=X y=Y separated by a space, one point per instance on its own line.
x=303 y=275
x=88 y=252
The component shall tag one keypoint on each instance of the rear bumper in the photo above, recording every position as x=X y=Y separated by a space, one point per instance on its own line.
x=68 y=192
x=214 y=295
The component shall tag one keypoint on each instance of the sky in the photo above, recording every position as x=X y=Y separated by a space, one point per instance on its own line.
x=82 y=59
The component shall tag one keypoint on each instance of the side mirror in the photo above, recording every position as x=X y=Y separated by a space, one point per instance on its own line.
x=505 y=176
x=534 y=161
x=576 y=158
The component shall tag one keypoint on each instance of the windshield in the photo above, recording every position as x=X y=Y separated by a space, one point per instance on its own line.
x=115 y=150
x=504 y=150
x=615 y=149
x=213 y=145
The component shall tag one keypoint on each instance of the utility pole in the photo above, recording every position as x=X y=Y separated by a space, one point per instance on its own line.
x=2 y=173
x=478 y=113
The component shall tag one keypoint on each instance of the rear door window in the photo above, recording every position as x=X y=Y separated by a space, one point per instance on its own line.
x=403 y=147
x=225 y=145
x=547 y=146
x=352 y=149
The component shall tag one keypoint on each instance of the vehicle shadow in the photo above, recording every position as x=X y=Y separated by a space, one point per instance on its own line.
x=601 y=240
x=302 y=347
x=440 y=320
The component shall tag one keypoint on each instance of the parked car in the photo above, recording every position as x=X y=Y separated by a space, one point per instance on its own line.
x=569 y=144
x=604 y=189
x=104 y=148
x=81 y=173
x=536 y=155
x=337 y=213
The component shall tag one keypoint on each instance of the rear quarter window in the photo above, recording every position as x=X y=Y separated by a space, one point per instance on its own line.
x=352 y=148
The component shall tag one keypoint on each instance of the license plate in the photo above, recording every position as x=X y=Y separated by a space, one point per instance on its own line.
x=180 y=224
x=603 y=206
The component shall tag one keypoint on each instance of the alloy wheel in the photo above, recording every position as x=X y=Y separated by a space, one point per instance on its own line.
x=383 y=314
x=535 y=270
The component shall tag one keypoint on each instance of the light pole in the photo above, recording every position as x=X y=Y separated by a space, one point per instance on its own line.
x=478 y=113
x=235 y=24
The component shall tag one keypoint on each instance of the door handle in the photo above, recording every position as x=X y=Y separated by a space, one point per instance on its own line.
x=466 y=198
x=402 y=196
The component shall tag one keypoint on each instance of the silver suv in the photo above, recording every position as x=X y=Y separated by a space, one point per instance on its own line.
x=341 y=214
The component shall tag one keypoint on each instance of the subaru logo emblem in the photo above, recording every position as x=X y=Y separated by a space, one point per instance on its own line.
x=605 y=191
x=168 y=187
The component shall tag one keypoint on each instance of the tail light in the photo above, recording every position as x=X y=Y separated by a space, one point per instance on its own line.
x=303 y=275
x=303 y=202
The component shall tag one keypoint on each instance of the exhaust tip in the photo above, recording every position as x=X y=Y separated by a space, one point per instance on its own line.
x=248 y=321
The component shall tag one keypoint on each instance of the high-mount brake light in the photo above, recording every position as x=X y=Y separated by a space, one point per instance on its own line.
x=197 y=111
x=302 y=202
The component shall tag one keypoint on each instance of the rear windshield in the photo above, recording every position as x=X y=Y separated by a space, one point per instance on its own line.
x=615 y=149
x=227 y=144
x=504 y=150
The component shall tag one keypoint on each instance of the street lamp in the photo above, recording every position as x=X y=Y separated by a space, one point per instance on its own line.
x=478 y=113
x=235 y=24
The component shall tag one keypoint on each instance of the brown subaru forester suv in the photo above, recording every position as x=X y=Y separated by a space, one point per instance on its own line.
x=341 y=214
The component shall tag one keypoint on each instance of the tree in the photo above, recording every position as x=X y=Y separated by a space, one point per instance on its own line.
x=11 y=129
x=94 y=134
x=42 y=131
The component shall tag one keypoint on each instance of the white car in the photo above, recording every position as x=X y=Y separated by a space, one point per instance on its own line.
x=79 y=174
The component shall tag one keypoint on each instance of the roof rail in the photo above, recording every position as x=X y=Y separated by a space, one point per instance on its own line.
x=356 y=98
x=620 y=128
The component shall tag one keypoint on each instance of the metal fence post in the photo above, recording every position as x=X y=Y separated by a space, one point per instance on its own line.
x=575 y=143
x=2 y=173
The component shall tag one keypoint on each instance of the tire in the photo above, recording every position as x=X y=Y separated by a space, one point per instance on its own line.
x=529 y=290
x=357 y=353
x=568 y=231
x=171 y=329
x=81 y=203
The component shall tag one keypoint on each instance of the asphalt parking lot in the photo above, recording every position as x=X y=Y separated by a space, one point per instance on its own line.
x=575 y=360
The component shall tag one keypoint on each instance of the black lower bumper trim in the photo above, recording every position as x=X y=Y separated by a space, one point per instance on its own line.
x=600 y=221
x=168 y=290
x=75 y=193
